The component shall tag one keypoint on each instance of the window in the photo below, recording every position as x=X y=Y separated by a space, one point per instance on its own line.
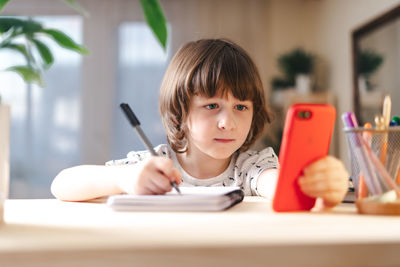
x=141 y=66
x=45 y=122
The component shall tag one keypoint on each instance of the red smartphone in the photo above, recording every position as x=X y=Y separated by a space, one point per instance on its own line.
x=306 y=138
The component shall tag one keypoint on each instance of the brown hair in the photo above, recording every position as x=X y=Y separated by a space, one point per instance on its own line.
x=209 y=67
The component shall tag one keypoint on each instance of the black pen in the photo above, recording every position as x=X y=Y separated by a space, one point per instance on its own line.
x=136 y=124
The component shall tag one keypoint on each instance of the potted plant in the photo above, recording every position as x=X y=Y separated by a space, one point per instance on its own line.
x=279 y=83
x=32 y=32
x=25 y=37
x=297 y=66
x=368 y=62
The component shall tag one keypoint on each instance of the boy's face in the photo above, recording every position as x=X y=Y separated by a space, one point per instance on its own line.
x=218 y=126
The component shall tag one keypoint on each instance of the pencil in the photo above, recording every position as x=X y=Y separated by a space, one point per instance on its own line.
x=362 y=191
x=136 y=124
x=387 y=105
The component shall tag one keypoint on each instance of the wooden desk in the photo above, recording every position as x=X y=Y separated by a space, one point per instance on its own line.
x=53 y=233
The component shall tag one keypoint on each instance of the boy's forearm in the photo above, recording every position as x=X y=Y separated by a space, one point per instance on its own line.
x=86 y=182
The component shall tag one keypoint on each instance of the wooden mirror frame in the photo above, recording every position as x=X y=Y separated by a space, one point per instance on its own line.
x=357 y=34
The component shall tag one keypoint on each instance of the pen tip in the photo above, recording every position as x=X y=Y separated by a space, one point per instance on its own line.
x=175 y=186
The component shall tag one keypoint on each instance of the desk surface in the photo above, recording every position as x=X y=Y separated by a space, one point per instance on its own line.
x=51 y=232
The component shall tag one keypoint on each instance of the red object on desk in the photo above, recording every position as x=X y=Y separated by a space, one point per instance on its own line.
x=306 y=138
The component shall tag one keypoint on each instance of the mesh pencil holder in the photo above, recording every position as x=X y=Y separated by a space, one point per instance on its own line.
x=375 y=155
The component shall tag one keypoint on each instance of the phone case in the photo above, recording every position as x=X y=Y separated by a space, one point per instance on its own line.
x=306 y=138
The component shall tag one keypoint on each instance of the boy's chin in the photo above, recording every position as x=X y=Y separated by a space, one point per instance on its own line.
x=222 y=154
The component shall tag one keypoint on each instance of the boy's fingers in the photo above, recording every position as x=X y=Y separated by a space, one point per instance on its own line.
x=322 y=194
x=177 y=176
x=148 y=189
x=162 y=182
x=163 y=164
x=333 y=198
x=323 y=188
x=325 y=178
x=322 y=178
x=154 y=188
x=327 y=162
x=314 y=178
x=324 y=175
x=166 y=167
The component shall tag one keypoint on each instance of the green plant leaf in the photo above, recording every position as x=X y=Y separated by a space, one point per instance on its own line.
x=368 y=62
x=65 y=41
x=19 y=48
x=3 y=3
x=296 y=62
x=279 y=83
x=155 y=19
x=44 y=52
x=6 y=23
x=75 y=5
x=20 y=26
x=30 y=27
x=27 y=73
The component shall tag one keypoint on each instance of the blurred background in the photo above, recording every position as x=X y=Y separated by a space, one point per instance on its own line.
x=75 y=118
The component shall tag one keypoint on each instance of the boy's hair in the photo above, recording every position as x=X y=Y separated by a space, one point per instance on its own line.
x=207 y=68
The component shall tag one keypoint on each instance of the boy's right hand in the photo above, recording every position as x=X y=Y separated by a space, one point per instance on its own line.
x=152 y=176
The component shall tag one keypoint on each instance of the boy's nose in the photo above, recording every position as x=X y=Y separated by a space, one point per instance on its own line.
x=226 y=121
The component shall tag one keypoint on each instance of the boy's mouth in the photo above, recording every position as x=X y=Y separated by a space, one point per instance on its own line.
x=221 y=140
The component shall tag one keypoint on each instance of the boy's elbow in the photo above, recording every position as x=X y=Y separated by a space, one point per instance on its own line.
x=61 y=187
x=57 y=185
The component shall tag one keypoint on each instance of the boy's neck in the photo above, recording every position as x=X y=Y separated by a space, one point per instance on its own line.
x=202 y=166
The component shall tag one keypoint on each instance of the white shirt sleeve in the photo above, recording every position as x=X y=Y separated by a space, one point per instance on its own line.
x=136 y=156
x=252 y=163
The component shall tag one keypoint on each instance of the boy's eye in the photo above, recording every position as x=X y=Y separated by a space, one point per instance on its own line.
x=241 y=107
x=211 y=106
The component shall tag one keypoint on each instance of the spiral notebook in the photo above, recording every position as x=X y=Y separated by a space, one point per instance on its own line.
x=192 y=199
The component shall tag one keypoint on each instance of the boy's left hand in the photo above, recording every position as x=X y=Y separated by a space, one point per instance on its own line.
x=325 y=178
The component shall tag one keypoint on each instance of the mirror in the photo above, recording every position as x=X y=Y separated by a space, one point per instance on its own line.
x=376 y=65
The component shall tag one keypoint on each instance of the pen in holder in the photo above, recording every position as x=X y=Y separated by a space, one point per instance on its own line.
x=366 y=152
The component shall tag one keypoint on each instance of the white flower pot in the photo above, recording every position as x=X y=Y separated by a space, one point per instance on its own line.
x=4 y=156
x=303 y=84
x=362 y=84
